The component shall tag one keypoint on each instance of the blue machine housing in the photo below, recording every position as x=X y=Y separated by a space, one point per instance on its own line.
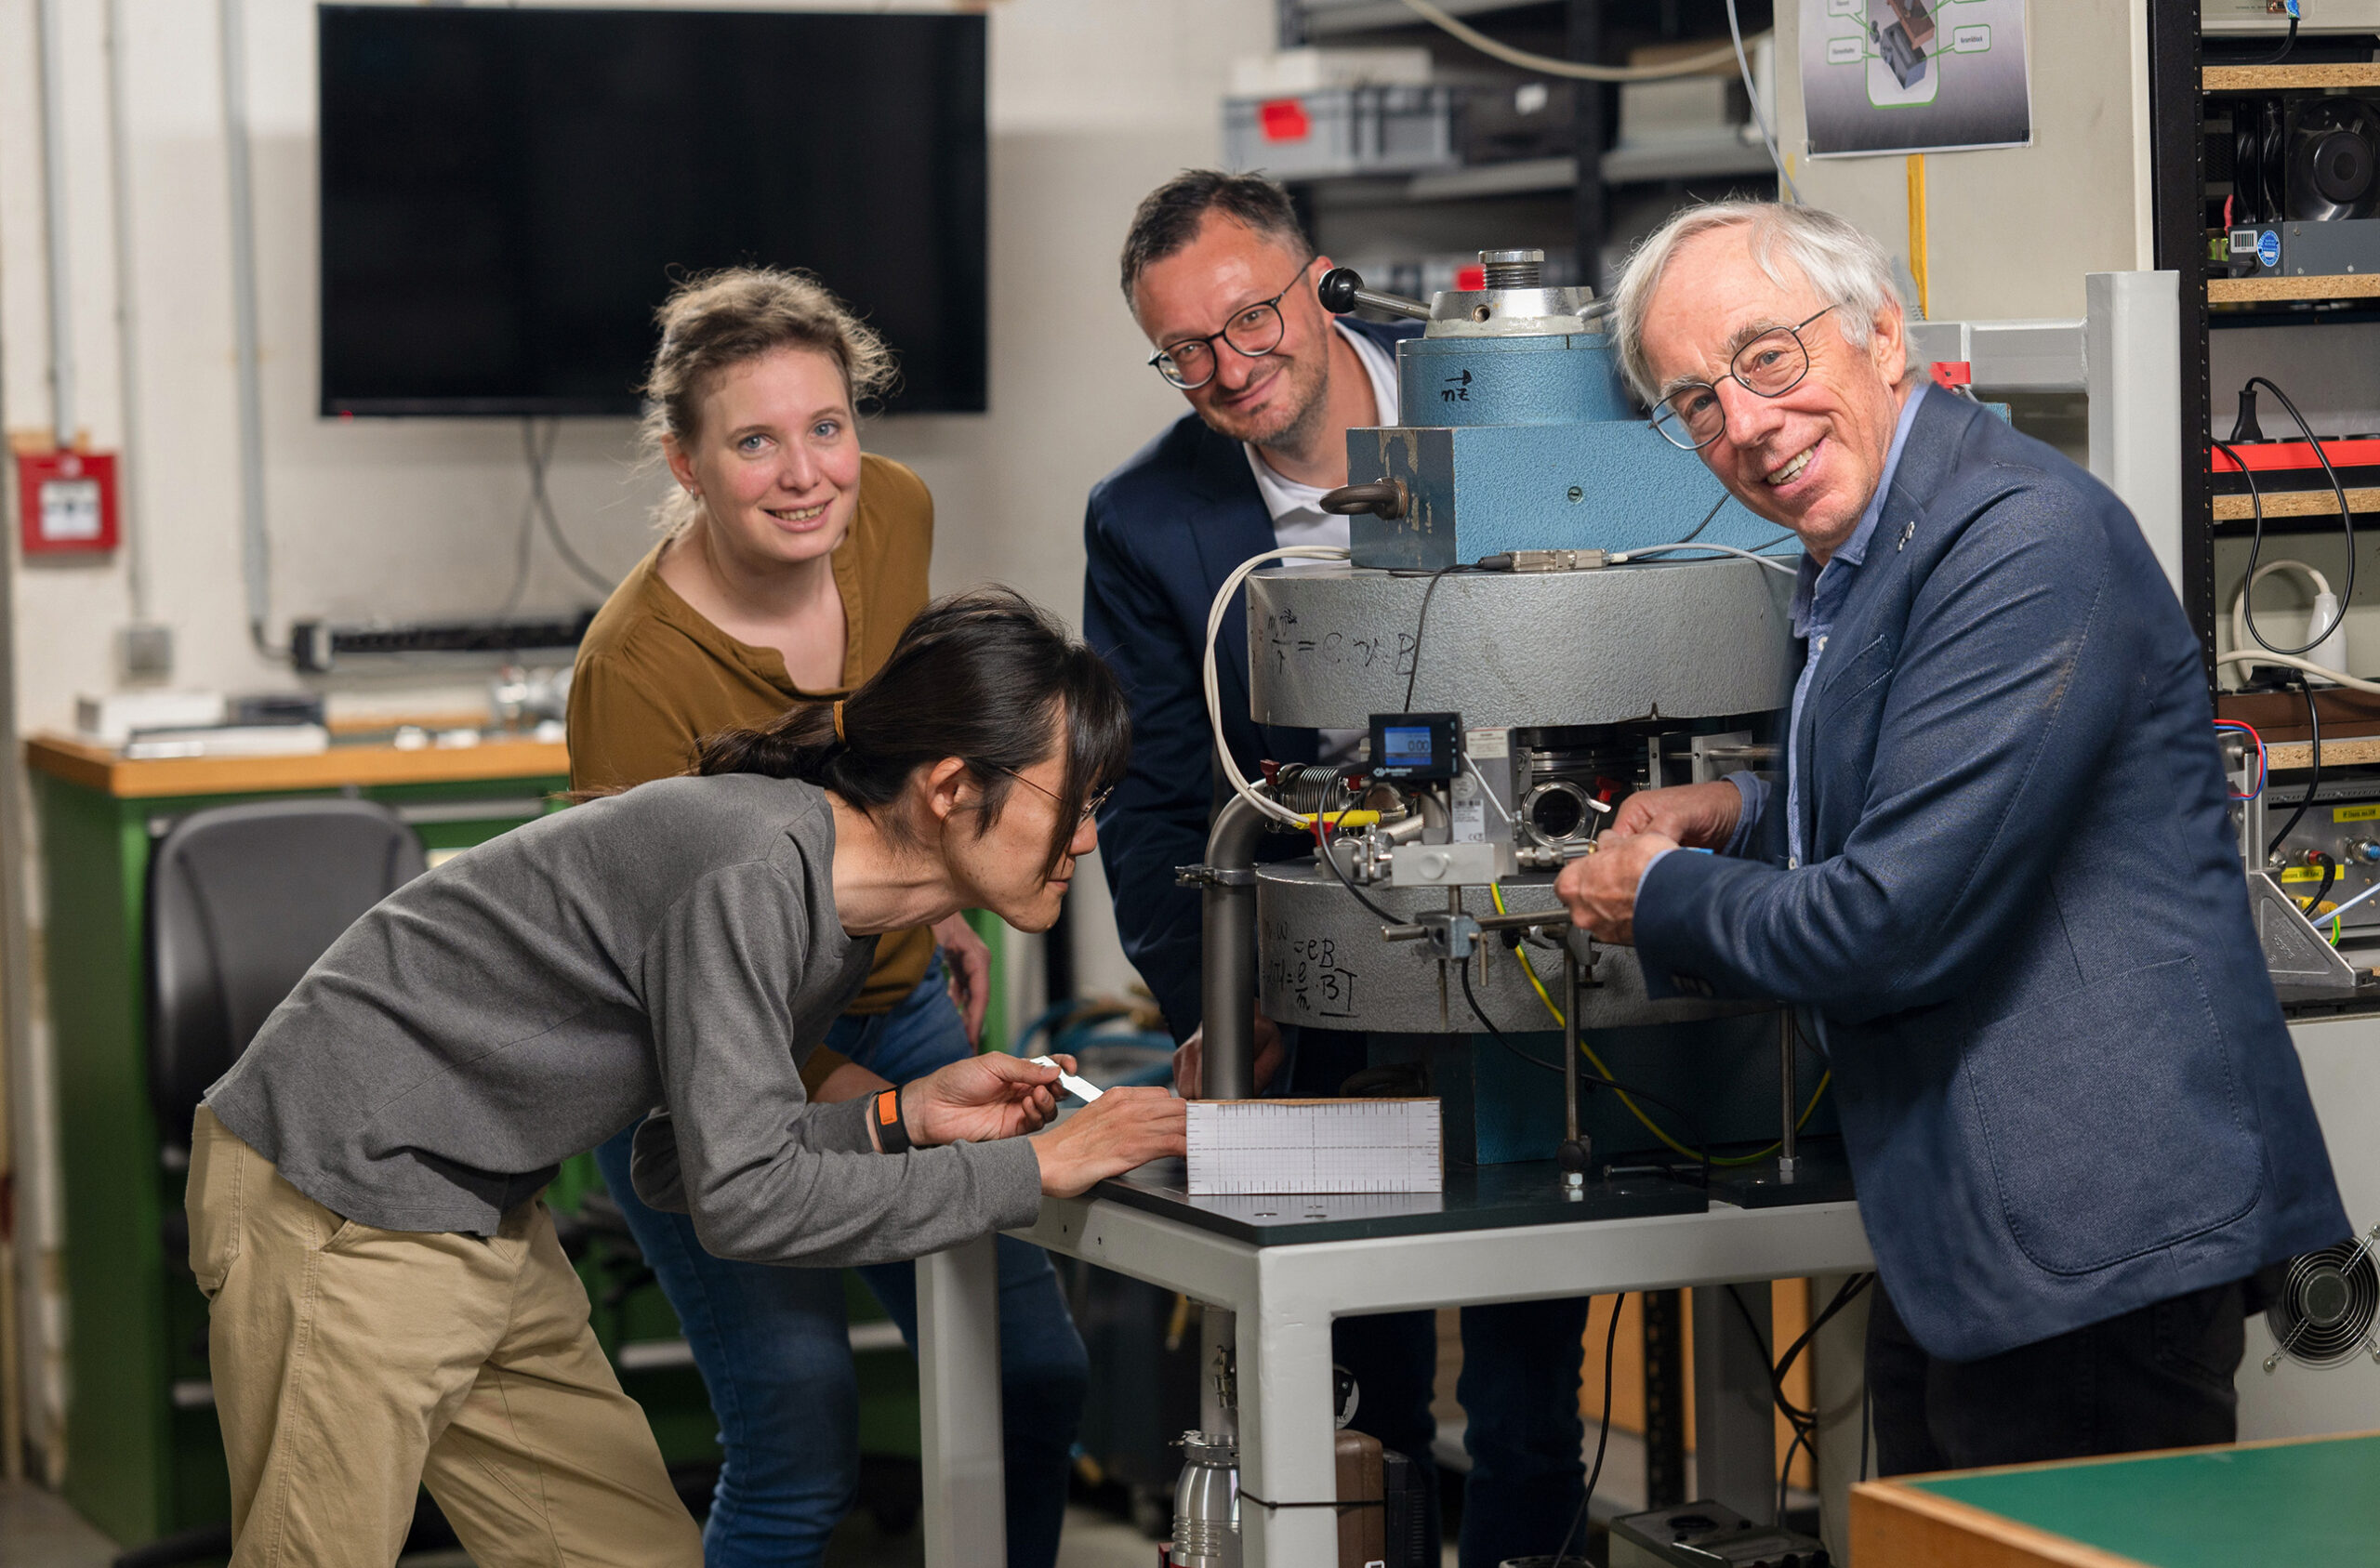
x=1535 y=446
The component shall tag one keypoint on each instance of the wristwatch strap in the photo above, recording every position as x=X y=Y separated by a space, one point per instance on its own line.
x=891 y=1132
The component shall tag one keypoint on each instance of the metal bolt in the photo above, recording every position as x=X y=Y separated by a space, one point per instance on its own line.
x=1577 y=494
x=1512 y=269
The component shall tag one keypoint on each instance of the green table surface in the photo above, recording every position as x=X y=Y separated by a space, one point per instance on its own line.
x=2306 y=1503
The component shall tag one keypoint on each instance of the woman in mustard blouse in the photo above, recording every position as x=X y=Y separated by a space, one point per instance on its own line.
x=791 y=562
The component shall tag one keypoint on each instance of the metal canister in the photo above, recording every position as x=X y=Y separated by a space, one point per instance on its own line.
x=1206 y=1503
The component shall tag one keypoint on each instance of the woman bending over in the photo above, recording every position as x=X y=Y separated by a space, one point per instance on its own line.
x=389 y=1304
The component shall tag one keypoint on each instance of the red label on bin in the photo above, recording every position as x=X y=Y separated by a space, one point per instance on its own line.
x=1284 y=119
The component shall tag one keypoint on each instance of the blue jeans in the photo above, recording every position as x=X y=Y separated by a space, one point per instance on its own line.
x=1519 y=1386
x=774 y=1348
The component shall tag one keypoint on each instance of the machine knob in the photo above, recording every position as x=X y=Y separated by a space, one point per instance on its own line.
x=1343 y=289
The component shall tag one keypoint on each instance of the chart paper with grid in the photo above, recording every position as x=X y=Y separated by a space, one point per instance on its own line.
x=1315 y=1146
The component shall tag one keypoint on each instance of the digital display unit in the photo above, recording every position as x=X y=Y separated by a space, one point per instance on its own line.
x=1420 y=748
x=506 y=194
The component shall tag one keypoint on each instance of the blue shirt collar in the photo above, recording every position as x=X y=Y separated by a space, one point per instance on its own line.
x=1855 y=549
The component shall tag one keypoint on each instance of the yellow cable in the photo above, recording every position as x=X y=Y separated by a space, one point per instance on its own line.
x=1920 y=273
x=1650 y=1125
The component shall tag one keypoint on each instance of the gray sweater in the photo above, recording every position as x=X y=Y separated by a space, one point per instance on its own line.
x=673 y=949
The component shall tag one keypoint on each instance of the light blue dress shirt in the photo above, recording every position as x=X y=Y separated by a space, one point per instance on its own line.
x=1819 y=593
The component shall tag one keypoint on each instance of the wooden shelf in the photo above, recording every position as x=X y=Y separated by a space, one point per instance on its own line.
x=2276 y=78
x=2296 y=503
x=2356 y=753
x=2250 y=290
x=98 y=768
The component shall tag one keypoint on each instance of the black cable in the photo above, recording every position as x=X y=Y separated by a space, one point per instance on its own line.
x=1866 y=1423
x=2278 y=56
x=2256 y=549
x=2347 y=521
x=544 y=503
x=2347 y=517
x=1603 y=1437
x=1784 y=1367
x=2329 y=874
x=1785 y=1472
x=1421 y=624
x=1804 y=1422
x=528 y=534
x=1693 y=1123
x=1331 y=860
x=2313 y=780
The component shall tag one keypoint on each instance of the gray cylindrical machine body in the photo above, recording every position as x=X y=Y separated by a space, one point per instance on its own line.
x=1328 y=648
x=1206 y=1503
x=1324 y=964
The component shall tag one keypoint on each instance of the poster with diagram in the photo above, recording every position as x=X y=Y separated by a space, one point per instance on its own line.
x=1883 y=76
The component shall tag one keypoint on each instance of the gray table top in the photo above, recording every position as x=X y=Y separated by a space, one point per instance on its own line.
x=1476 y=1198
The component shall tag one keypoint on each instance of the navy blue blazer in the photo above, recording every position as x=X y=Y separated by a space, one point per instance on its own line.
x=1161 y=535
x=2063 y=1078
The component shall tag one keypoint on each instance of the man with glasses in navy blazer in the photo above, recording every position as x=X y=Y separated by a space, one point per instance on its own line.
x=1222 y=280
x=1999 y=876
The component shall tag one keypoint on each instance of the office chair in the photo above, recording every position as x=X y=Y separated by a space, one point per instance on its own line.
x=242 y=900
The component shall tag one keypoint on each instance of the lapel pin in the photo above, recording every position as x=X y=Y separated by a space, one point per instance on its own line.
x=1907 y=531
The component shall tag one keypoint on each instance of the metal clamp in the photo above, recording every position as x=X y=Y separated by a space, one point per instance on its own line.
x=1213 y=877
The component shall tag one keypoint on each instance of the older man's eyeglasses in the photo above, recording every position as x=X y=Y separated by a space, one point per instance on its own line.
x=1089 y=808
x=1254 y=331
x=1770 y=365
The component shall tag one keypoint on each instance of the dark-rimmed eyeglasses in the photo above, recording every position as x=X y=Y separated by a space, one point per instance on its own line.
x=1253 y=331
x=1769 y=366
x=1089 y=807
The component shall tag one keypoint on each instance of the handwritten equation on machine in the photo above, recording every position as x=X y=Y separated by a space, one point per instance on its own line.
x=1239 y=1146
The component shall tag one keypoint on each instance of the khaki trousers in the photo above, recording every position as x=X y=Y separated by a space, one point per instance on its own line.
x=351 y=1364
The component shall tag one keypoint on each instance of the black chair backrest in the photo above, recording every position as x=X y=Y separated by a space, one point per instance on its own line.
x=242 y=900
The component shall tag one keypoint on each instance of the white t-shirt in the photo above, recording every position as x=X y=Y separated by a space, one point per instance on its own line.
x=1298 y=516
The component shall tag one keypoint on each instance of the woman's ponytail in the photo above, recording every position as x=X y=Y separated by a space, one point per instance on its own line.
x=799 y=745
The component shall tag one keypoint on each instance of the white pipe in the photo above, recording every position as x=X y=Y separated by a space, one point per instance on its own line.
x=61 y=260
x=136 y=570
x=254 y=554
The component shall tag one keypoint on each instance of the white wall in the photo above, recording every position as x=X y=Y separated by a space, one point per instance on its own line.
x=2011 y=230
x=1091 y=102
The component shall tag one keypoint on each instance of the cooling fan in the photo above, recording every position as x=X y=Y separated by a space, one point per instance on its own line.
x=2333 y=160
x=2324 y=1315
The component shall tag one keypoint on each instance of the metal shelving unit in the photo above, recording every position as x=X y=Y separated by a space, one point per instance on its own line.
x=1540 y=200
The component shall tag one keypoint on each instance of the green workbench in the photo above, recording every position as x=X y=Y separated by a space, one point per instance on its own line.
x=144 y=1455
x=2303 y=1503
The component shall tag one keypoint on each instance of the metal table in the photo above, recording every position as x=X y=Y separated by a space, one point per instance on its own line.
x=1286 y=1266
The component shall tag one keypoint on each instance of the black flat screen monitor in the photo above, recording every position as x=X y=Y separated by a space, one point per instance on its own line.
x=507 y=194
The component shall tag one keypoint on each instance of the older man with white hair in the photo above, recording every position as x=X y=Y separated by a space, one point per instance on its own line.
x=1998 y=879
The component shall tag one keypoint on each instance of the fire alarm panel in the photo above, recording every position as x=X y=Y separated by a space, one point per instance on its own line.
x=66 y=502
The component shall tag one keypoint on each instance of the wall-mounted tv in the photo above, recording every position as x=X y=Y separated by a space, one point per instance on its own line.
x=506 y=194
